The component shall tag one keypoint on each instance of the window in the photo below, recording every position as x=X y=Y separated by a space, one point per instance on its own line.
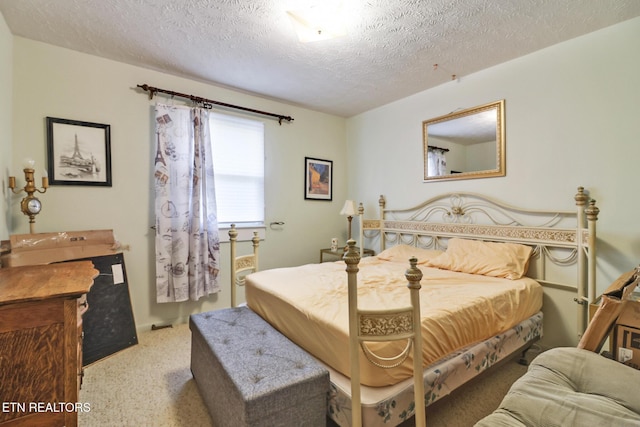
x=238 y=164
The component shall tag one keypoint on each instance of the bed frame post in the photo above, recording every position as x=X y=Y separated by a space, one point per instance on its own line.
x=592 y=212
x=233 y=235
x=382 y=203
x=351 y=258
x=256 y=244
x=361 y=233
x=583 y=262
x=414 y=276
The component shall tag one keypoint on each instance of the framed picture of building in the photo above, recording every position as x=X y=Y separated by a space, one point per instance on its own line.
x=79 y=153
x=318 y=179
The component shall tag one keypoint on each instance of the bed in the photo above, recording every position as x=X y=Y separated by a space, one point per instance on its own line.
x=477 y=305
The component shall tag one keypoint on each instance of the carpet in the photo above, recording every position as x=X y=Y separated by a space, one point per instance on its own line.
x=150 y=384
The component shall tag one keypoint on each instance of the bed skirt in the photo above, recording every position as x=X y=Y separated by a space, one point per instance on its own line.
x=390 y=406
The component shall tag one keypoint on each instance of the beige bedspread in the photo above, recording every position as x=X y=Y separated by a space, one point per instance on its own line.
x=309 y=305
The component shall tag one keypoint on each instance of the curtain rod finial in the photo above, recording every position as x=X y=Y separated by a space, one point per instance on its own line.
x=149 y=89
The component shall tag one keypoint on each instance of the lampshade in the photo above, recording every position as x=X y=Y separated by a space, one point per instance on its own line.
x=349 y=208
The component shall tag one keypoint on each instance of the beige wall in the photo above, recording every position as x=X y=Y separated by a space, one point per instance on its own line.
x=572 y=119
x=6 y=92
x=56 y=82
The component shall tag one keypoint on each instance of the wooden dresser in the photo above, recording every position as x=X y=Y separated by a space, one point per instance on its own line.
x=41 y=343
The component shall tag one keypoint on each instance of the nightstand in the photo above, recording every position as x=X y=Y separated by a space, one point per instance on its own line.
x=340 y=252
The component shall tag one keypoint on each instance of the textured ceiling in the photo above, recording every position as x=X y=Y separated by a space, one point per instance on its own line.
x=251 y=46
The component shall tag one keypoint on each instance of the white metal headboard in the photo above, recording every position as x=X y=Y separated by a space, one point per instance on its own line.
x=561 y=238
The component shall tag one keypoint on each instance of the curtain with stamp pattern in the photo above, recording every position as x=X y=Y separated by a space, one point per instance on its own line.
x=187 y=244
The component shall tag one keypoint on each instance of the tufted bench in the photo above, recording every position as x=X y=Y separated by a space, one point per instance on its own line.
x=249 y=374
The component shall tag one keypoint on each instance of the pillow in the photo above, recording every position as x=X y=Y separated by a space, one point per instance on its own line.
x=402 y=253
x=507 y=260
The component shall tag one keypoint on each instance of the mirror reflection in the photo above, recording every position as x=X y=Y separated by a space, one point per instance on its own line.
x=465 y=144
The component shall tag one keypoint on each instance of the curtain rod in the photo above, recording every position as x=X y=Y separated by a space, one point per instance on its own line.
x=433 y=147
x=207 y=103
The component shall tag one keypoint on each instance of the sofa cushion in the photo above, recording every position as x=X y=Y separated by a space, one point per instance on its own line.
x=571 y=387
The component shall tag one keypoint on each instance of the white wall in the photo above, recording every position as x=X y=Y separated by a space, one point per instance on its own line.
x=572 y=119
x=56 y=82
x=482 y=156
x=6 y=91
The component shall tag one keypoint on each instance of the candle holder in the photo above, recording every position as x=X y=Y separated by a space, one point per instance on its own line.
x=30 y=205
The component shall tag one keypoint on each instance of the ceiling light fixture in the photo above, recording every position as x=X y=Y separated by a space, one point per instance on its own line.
x=320 y=22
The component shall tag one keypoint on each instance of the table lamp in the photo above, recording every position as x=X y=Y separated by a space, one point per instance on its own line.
x=349 y=209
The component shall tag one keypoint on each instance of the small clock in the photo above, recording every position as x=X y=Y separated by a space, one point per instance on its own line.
x=34 y=206
x=31 y=206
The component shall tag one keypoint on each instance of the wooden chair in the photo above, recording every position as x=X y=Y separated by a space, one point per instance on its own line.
x=372 y=325
x=242 y=265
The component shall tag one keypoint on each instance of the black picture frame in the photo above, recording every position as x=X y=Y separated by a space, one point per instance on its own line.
x=318 y=182
x=79 y=153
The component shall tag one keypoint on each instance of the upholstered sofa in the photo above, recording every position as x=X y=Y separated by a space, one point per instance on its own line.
x=571 y=387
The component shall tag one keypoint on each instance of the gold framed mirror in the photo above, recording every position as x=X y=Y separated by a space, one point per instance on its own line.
x=465 y=144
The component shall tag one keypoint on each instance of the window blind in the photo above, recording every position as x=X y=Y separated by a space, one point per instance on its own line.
x=238 y=164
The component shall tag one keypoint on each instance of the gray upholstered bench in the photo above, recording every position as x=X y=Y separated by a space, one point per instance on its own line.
x=249 y=374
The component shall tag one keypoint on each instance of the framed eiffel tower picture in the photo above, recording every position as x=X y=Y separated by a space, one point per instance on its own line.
x=79 y=153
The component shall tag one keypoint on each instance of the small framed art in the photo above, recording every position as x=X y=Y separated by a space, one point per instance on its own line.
x=79 y=152
x=318 y=179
